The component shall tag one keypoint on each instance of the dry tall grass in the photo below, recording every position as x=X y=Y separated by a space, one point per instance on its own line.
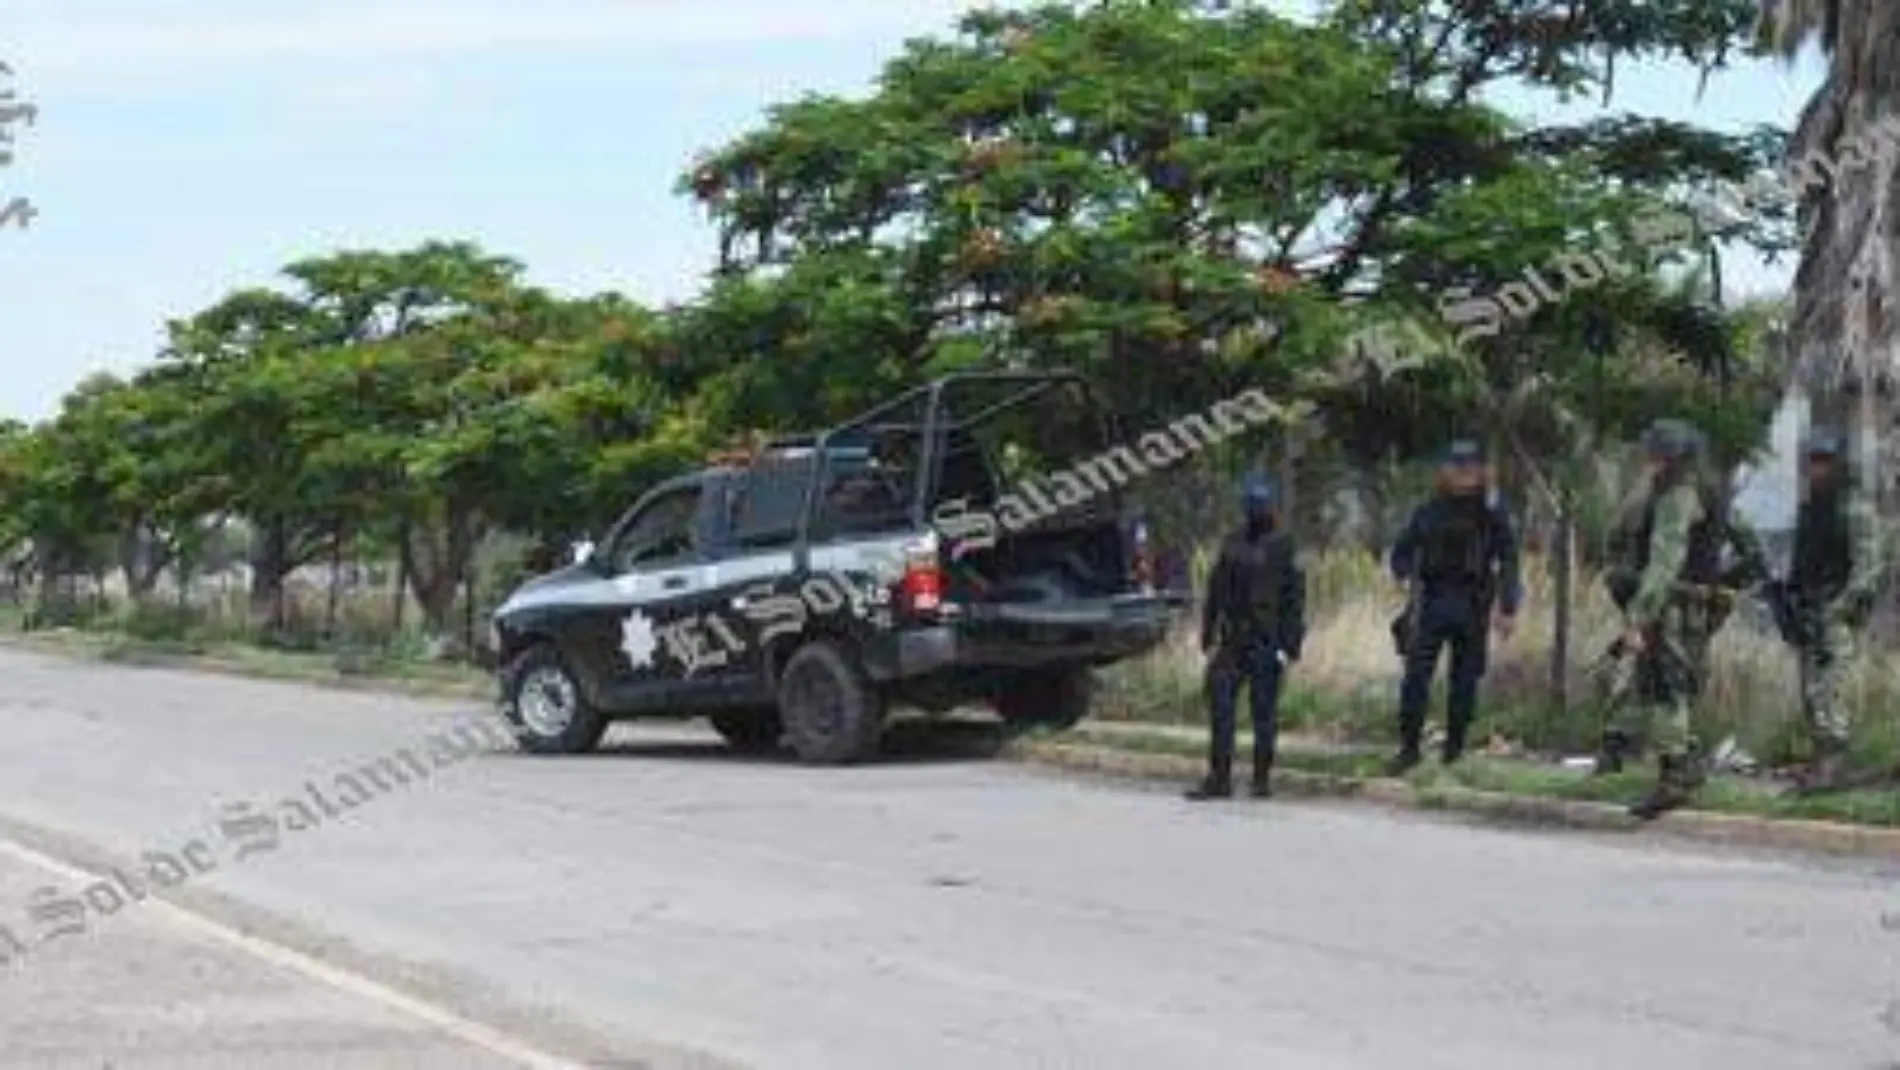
x=1346 y=685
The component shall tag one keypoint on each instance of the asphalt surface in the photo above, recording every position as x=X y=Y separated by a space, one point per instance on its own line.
x=666 y=904
x=161 y=993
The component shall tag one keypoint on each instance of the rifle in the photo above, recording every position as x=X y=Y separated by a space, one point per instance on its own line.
x=1794 y=618
x=1717 y=598
x=1619 y=657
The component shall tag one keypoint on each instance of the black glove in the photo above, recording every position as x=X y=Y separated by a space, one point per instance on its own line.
x=1290 y=645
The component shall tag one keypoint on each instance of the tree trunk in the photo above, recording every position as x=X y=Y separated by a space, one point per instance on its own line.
x=333 y=601
x=399 y=599
x=143 y=558
x=48 y=565
x=1561 y=565
x=132 y=563
x=270 y=563
x=435 y=562
x=468 y=606
x=184 y=568
x=1843 y=326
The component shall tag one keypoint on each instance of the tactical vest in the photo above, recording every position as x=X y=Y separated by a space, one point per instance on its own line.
x=1823 y=552
x=1260 y=571
x=1703 y=563
x=1455 y=549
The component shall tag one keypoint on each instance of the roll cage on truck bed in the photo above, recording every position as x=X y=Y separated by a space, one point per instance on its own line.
x=794 y=593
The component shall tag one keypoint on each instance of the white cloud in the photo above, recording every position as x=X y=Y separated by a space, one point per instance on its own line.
x=75 y=39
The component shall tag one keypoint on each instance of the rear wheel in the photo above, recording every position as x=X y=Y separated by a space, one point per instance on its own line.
x=833 y=715
x=752 y=729
x=543 y=701
x=1054 y=699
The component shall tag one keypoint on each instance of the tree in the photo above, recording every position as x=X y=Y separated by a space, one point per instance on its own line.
x=1842 y=158
x=149 y=498
x=243 y=363
x=1182 y=199
x=373 y=306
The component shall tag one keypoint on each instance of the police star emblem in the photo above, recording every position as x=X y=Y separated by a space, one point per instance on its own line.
x=637 y=641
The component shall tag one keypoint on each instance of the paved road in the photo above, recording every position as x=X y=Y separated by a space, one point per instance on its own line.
x=667 y=903
x=160 y=992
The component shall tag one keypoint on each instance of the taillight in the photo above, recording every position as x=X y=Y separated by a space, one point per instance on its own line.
x=1144 y=562
x=920 y=589
x=922 y=586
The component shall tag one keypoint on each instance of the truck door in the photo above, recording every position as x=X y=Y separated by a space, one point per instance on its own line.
x=658 y=563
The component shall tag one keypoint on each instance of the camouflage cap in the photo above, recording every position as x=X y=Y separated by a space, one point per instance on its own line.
x=1464 y=451
x=1672 y=439
x=1825 y=442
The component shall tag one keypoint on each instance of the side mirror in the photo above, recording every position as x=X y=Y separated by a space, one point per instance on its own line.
x=583 y=552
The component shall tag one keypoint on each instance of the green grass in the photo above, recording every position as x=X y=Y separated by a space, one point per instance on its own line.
x=369 y=665
x=1522 y=777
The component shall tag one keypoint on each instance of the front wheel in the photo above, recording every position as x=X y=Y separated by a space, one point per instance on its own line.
x=833 y=714
x=1055 y=699
x=543 y=701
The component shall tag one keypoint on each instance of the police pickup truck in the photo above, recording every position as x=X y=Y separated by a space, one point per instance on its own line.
x=795 y=594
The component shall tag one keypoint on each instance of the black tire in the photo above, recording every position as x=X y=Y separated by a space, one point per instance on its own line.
x=1056 y=699
x=831 y=712
x=753 y=729
x=568 y=724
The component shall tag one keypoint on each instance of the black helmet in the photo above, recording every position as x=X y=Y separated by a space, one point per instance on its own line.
x=1257 y=495
x=1673 y=440
x=1826 y=442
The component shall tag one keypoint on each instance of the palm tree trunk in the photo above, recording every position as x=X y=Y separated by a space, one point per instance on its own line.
x=1844 y=147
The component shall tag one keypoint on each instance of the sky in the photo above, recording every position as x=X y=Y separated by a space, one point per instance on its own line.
x=187 y=149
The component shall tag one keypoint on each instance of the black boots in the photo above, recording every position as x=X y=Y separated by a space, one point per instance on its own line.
x=1676 y=782
x=1219 y=783
x=1262 y=773
x=1403 y=762
x=1212 y=787
x=1610 y=755
x=1457 y=728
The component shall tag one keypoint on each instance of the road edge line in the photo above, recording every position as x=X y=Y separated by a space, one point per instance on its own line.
x=458 y=1026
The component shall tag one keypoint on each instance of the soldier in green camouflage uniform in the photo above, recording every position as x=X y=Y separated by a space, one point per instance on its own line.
x=1667 y=578
x=1835 y=576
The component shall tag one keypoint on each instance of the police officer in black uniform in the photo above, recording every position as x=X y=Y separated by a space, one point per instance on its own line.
x=1459 y=556
x=1252 y=624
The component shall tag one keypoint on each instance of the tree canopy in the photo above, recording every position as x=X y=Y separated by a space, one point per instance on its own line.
x=1180 y=199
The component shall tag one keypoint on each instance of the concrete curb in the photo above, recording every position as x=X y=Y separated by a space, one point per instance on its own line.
x=1734 y=830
